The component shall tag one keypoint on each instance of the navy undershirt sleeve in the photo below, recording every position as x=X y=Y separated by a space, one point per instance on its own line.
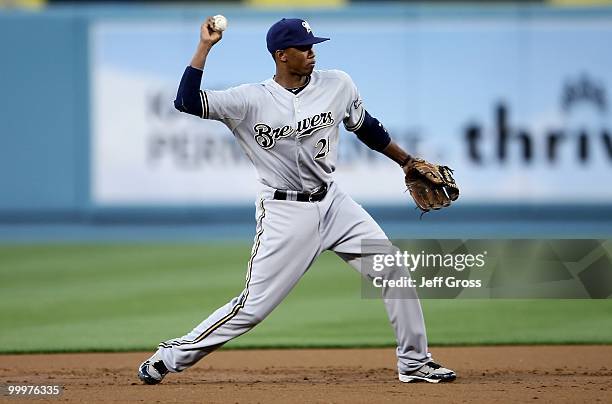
x=188 y=97
x=373 y=133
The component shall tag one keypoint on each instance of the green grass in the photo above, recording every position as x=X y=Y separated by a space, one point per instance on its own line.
x=130 y=297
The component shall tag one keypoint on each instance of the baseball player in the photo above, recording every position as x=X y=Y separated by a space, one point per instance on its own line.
x=288 y=127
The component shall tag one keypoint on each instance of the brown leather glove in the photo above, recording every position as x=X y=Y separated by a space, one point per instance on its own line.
x=431 y=186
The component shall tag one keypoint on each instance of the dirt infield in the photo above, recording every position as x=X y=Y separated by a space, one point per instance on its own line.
x=485 y=374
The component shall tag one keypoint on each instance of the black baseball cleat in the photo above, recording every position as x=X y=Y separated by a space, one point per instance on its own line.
x=430 y=372
x=152 y=371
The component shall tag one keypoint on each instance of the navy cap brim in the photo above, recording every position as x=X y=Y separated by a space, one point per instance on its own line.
x=309 y=41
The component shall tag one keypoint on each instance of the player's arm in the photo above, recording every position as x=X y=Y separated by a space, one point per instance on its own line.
x=397 y=154
x=431 y=186
x=375 y=136
x=189 y=97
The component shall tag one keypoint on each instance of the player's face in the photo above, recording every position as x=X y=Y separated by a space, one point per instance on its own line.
x=300 y=60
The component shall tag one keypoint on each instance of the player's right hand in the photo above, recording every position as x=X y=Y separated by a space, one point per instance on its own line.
x=207 y=34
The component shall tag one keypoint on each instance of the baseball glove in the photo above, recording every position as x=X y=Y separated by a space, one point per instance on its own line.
x=430 y=185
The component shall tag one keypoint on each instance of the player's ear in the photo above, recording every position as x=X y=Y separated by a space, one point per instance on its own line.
x=281 y=56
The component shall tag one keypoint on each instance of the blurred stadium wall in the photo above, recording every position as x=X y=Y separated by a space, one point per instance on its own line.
x=515 y=97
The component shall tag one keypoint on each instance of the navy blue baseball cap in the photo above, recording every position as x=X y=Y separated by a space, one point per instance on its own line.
x=290 y=32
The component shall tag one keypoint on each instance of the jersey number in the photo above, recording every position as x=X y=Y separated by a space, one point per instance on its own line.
x=322 y=152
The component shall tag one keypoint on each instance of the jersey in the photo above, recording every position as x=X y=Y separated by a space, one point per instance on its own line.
x=291 y=139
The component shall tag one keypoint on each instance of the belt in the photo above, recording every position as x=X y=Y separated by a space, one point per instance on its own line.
x=315 y=196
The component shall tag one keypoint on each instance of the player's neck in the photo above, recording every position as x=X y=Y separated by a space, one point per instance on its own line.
x=288 y=80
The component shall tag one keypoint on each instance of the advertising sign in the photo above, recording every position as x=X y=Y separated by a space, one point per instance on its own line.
x=520 y=108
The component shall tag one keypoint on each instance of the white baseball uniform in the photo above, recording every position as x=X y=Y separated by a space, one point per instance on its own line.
x=292 y=141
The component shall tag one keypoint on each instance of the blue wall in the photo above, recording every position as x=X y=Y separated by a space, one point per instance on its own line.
x=44 y=111
x=42 y=80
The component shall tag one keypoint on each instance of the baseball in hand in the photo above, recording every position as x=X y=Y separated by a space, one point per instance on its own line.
x=219 y=23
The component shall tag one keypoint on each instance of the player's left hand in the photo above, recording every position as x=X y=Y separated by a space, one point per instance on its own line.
x=431 y=186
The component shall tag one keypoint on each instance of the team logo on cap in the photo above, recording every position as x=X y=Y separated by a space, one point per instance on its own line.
x=306 y=26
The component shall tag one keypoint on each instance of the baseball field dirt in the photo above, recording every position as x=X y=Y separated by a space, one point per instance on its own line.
x=560 y=374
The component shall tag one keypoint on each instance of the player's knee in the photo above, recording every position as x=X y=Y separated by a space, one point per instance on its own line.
x=250 y=318
x=258 y=310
